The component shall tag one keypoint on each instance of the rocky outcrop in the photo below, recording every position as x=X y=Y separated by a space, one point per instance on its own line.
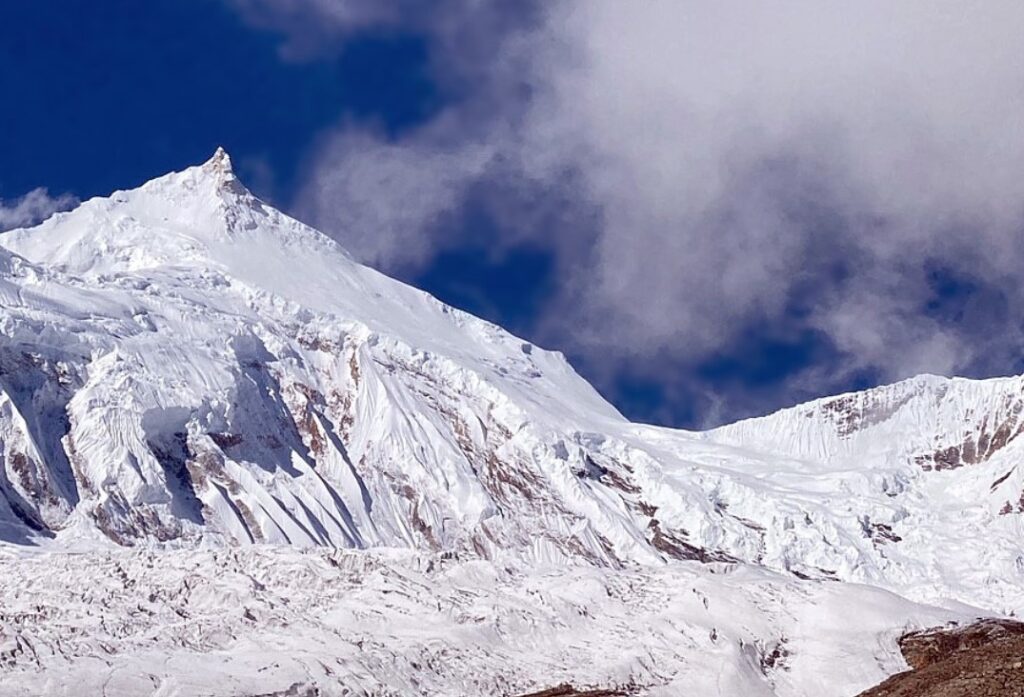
x=570 y=691
x=985 y=659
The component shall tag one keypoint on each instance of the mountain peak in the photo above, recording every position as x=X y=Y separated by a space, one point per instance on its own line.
x=220 y=162
x=220 y=170
x=189 y=215
x=219 y=167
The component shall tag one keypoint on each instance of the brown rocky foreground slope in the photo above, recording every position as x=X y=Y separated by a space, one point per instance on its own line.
x=570 y=691
x=984 y=659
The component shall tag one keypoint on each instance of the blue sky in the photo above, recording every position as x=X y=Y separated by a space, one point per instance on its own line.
x=708 y=228
x=113 y=93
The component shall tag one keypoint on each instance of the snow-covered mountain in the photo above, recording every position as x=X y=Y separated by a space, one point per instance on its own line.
x=183 y=366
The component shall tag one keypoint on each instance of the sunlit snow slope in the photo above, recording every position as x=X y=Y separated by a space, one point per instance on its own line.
x=183 y=364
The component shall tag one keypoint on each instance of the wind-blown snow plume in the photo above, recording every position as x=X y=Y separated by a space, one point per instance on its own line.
x=34 y=207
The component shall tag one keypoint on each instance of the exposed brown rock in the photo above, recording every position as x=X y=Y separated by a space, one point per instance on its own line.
x=1000 y=480
x=1001 y=425
x=774 y=657
x=976 y=449
x=567 y=690
x=984 y=659
x=673 y=544
x=227 y=440
x=125 y=523
x=880 y=533
x=318 y=343
x=296 y=690
x=855 y=412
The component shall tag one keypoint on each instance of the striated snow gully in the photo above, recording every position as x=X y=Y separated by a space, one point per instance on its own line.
x=237 y=462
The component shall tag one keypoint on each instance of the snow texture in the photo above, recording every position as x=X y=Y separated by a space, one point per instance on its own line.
x=208 y=409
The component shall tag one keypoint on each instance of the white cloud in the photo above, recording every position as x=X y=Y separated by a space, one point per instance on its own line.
x=308 y=25
x=378 y=197
x=34 y=207
x=708 y=130
x=744 y=157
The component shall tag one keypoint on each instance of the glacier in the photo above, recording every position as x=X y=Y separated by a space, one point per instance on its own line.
x=194 y=385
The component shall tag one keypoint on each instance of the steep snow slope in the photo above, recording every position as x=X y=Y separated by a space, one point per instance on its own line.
x=181 y=364
x=232 y=372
